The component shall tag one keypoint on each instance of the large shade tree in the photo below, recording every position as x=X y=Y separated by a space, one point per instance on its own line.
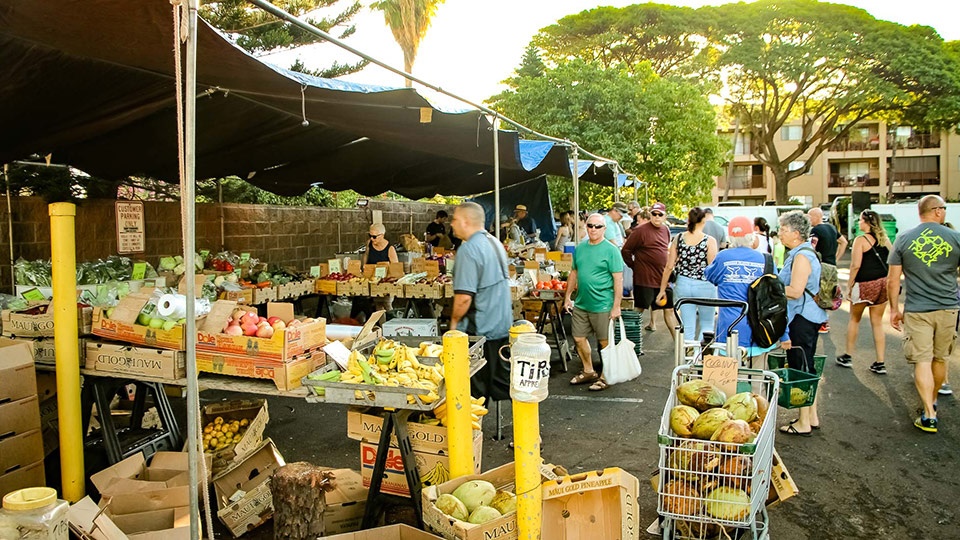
x=408 y=21
x=662 y=130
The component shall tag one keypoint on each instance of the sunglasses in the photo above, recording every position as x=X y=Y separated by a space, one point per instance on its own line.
x=656 y=214
x=372 y=236
x=592 y=226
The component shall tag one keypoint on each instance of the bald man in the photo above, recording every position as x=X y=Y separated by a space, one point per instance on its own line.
x=928 y=257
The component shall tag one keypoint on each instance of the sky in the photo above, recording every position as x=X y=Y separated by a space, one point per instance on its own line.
x=473 y=45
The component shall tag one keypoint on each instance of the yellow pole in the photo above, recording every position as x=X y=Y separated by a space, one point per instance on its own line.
x=526 y=456
x=66 y=343
x=456 y=371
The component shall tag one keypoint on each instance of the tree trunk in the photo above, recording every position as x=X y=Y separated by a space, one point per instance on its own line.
x=892 y=169
x=781 y=184
x=299 y=501
x=731 y=166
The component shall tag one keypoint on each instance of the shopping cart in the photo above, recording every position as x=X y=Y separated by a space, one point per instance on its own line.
x=704 y=485
x=692 y=352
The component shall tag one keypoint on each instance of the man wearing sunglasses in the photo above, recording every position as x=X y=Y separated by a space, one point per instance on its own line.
x=597 y=276
x=646 y=252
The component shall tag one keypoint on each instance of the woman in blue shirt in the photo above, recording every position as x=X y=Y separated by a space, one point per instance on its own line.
x=801 y=279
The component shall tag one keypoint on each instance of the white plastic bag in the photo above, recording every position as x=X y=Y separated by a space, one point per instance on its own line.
x=620 y=362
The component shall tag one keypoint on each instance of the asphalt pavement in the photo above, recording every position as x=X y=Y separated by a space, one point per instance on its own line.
x=867 y=473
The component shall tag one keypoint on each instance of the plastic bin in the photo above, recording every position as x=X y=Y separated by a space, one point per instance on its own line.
x=779 y=361
x=797 y=388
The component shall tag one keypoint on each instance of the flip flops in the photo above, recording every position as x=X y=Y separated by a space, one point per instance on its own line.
x=795 y=420
x=790 y=430
x=583 y=378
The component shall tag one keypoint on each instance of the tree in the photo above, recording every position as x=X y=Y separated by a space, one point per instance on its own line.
x=662 y=130
x=260 y=33
x=409 y=21
x=827 y=66
x=531 y=65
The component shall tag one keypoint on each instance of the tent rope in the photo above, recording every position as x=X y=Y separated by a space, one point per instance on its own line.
x=179 y=33
x=303 y=105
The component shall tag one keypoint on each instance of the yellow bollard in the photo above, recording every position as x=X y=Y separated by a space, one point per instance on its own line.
x=456 y=372
x=526 y=455
x=66 y=343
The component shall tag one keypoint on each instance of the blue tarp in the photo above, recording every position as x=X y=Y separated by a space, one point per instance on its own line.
x=534 y=195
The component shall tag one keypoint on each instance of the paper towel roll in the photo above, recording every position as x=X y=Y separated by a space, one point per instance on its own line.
x=172 y=306
x=342 y=331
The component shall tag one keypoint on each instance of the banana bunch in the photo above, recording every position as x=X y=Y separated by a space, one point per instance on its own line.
x=430 y=350
x=436 y=476
x=396 y=365
x=477 y=410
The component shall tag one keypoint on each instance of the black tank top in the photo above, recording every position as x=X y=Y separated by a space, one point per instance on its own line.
x=374 y=256
x=873 y=263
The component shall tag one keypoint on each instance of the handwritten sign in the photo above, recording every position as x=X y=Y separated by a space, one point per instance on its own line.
x=380 y=272
x=563 y=266
x=131 y=235
x=355 y=267
x=418 y=265
x=395 y=270
x=432 y=268
x=721 y=371
x=333 y=265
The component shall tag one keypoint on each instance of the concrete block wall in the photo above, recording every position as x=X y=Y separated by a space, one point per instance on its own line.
x=298 y=237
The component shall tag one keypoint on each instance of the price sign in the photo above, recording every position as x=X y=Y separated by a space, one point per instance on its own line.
x=204 y=253
x=244 y=257
x=315 y=271
x=334 y=266
x=380 y=272
x=139 y=270
x=33 y=295
x=539 y=257
x=721 y=372
x=529 y=378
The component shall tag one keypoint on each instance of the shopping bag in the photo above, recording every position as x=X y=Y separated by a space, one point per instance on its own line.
x=620 y=362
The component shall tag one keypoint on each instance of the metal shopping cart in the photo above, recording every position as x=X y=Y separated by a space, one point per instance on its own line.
x=708 y=489
x=692 y=352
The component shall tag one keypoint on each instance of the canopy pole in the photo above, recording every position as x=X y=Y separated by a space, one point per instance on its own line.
x=188 y=211
x=6 y=178
x=616 y=183
x=576 y=194
x=223 y=236
x=636 y=189
x=496 y=176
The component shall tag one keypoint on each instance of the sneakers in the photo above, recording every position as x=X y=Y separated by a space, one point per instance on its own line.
x=824 y=328
x=945 y=390
x=923 y=423
x=846 y=361
x=879 y=368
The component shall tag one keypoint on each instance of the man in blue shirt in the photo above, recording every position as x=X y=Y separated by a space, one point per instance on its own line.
x=481 y=297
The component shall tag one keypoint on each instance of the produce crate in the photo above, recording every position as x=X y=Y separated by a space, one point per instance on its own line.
x=386 y=289
x=797 y=388
x=286 y=375
x=264 y=295
x=367 y=395
x=550 y=294
x=691 y=469
x=326 y=286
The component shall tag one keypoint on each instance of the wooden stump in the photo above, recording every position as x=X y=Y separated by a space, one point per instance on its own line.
x=299 y=501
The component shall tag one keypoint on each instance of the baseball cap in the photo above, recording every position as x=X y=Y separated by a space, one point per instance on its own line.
x=619 y=207
x=520 y=207
x=740 y=226
x=659 y=207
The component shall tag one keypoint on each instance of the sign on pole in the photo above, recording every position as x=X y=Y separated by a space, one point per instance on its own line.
x=131 y=237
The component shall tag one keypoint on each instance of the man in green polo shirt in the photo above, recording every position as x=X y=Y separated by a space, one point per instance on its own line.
x=597 y=276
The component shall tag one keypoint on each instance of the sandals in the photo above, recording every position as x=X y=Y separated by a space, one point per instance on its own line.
x=583 y=378
x=599 y=385
x=795 y=420
x=648 y=328
x=790 y=430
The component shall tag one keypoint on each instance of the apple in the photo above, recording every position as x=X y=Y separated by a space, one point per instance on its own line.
x=168 y=325
x=279 y=325
x=143 y=319
x=233 y=330
x=249 y=318
x=249 y=329
x=292 y=323
x=262 y=320
x=273 y=320
x=157 y=322
x=110 y=312
x=265 y=331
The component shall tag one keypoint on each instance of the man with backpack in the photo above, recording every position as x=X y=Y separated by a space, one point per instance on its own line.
x=744 y=274
x=830 y=246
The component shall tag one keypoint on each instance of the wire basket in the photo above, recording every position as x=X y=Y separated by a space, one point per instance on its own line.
x=710 y=482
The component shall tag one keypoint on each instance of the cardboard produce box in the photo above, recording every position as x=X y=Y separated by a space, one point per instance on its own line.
x=44 y=352
x=137 y=361
x=410 y=327
x=346 y=503
x=21 y=416
x=242 y=491
x=285 y=375
x=283 y=346
x=18 y=376
x=326 y=286
x=502 y=528
x=434 y=467
x=390 y=532
x=423 y=437
x=782 y=486
x=19 y=451
x=254 y=411
x=595 y=504
x=37 y=321
x=31 y=475
x=166 y=524
x=50 y=425
x=123 y=325
x=131 y=486
x=243 y=296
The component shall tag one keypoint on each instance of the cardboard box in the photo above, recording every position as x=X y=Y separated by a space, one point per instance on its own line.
x=254 y=411
x=123 y=326
x=326 y=286
x=21 y=416
x=19 y=451
x=782 y=486
x=386 y=289
x=26 y=324
x=345 y=503
x=243 y=296
x=46 y=385
x=285 y=375
x=31 y=475
x=131 y=486
x=243 y=495
x=434 y=467
x=596 y=504
x=423 y=437
x=264 y=295
x=18 y=376
x=166 y=524
x=283 y=346
x=44 y=352
x=410 y=327
x=390 y=532
x=502 y=528
x=137 y=361
x=49 y=425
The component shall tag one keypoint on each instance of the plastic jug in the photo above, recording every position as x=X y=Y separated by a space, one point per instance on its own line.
x=529 y=368
x=34 y=514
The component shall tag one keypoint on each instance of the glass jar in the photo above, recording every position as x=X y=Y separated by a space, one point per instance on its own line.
x=529 y=368
x=34 y=514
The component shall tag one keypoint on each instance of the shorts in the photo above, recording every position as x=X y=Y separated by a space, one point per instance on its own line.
x=873 y=292
x=588 y=322
x=929 y=336
x=646 y=298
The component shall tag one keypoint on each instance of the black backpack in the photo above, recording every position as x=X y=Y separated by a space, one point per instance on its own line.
x=767 y=307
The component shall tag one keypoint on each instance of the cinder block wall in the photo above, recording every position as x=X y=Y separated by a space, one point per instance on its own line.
x=289 y=236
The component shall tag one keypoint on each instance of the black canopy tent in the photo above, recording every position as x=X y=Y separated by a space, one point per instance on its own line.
x=99 y=95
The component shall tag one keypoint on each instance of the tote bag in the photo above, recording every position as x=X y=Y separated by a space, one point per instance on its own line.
x=620 y=362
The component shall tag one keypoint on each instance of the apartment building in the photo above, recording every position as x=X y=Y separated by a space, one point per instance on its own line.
x=925 y=163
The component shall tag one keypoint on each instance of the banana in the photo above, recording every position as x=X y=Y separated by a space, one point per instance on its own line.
x=429 y=397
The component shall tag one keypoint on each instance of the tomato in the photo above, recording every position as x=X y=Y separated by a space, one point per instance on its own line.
x=554 y=283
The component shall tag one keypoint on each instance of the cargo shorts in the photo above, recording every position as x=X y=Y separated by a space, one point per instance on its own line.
x=588 y=322
x=930 y=336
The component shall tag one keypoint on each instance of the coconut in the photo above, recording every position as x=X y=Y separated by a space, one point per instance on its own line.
x=681 y=498
x=734 y=466
x=452 y=506
x=504 y=502
x=700 y=395
x=743 y=406
x=762 y=406
x=709 y=421
x=682 y=418
x=755 y=426
x=475 y=493
x=483 y=514
x=733 y=431
x=691 y=459
x=728 y=503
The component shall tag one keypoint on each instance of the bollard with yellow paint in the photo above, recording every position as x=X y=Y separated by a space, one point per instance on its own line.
x=66 y=343
x=456 y=372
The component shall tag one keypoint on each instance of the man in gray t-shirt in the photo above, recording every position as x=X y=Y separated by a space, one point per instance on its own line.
x=928 y=256
x=714 y=229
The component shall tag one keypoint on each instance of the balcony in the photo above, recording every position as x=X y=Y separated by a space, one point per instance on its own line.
x=754 y=181
x=847 y=145
x=841 y=181
x=919 y=179
x=922 y=140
